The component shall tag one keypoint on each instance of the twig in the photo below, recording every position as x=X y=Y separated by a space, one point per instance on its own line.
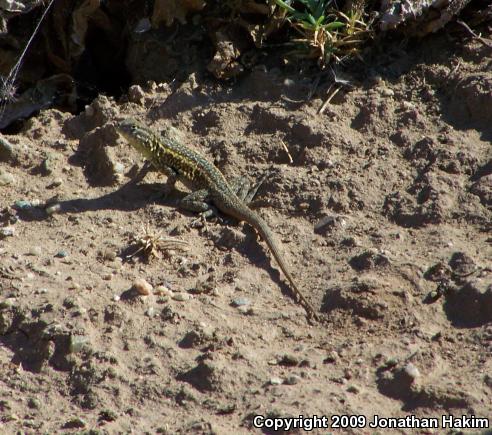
x=325 y=104
x=472 y=33
x=291 y=160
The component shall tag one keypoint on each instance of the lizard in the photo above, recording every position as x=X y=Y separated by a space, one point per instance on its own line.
x=168 y=155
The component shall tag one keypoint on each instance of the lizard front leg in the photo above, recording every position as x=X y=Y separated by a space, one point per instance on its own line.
x=197 y=202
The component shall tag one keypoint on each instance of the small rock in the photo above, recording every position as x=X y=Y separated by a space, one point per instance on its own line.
x=118 y=167
x=412 y=371
x=7 y=232
x=292 y=380
x=142 y=287
x=387 y=92
x=407 y=105
x=22 y=205
x=150 y=312
x=162 y=290
x=116 y=298
x=35 y=251
x=61 y=254
x=6 y=178
x=136 y=94
x=241 y=302
x=75 y=423
x=276 y=381
x=462 y=264
x=326 y=221
x=181 y=297
x=57 y=182
x=52 y=209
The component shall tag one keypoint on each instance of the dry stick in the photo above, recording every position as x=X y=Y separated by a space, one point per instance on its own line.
x=325 y=104
x=291 y=160
x=472 y=33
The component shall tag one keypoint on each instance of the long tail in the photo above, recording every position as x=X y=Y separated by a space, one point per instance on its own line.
x=244 y=213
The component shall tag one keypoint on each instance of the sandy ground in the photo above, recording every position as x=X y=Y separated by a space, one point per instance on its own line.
x=384 y=215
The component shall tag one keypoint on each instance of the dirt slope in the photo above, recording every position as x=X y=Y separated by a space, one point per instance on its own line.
x=384 y=215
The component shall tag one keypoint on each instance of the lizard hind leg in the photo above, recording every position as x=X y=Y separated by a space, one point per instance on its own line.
x=243 y=189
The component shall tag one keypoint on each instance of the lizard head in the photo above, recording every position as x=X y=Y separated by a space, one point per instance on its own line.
x=137 y=135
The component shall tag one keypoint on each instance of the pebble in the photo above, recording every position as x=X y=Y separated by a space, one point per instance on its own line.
x=116 y=298
x=407 y=105
x=118 y=168
x=7 y=232
x=150 y=312
x=162 y=290
x=136 y=94
x=181 y=297
x=292 y=380
x=276 y=381
x=57 y=182
x=35 y=251
x=142 y=287
x=241 y=302
x=412 y=371
x=22 y=205
x=52 y=209
x=6 y=178
x=61 y=254
x=387 y=92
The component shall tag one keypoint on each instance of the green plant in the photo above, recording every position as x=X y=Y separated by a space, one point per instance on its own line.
x=327 y=32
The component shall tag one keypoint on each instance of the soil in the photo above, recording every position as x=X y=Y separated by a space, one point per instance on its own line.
x=384 y=214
